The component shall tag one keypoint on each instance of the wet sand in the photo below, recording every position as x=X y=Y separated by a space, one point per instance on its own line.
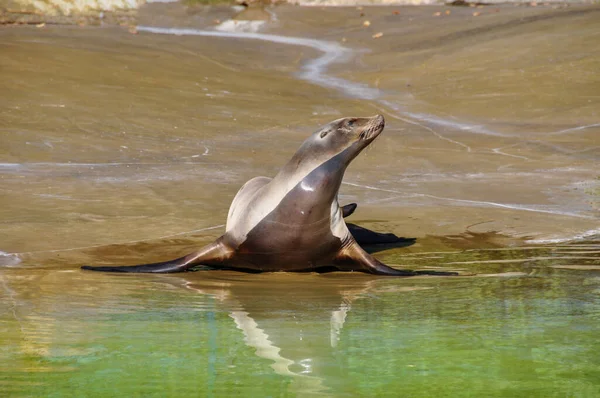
x=111 y=137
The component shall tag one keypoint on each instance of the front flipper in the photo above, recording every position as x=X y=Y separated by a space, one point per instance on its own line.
x=212 y=255
x=354 y=258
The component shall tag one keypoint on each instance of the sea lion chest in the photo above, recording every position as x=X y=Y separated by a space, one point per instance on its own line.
x=296 y=232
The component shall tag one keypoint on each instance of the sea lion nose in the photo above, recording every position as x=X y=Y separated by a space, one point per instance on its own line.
x=379 y=119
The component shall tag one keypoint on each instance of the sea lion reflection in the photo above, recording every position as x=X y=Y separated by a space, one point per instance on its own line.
x=294 y=322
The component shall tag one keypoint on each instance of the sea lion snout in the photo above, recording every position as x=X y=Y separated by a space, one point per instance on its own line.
x=373 y=128
x=380 y=120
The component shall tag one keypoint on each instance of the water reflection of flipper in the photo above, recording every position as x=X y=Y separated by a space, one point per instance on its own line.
x=213 y=254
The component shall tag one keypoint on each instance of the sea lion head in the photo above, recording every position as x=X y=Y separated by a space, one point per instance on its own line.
x=351 y=131
x=342 y=139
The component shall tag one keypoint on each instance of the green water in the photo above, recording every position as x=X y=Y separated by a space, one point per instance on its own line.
x=529 y=330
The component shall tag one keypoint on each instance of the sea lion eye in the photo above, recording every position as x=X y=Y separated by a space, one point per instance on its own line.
x=324 y=133
x=350 y=122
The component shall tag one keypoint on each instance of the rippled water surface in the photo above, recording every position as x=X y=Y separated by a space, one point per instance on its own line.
x=525 y=325
x=118 y=148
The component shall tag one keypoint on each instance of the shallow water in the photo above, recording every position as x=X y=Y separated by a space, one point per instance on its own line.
x=121 y=149
x=526 y=326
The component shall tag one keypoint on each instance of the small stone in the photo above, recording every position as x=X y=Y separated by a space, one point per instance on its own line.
x=437 y=14
x=367 y=23
x=377 y=35
x=396 y=12
x=40 y=25
x=476 y=14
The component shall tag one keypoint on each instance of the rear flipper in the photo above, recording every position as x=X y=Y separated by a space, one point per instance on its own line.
x=354 y=258
x=212 y=255
x=348 y=209
x=364 y=236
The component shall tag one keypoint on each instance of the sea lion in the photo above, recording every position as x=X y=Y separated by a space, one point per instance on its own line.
x=293 y=222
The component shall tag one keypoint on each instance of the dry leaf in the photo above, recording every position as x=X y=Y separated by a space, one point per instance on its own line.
x=40 y=25
x=396 y=12
x=377 y=35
